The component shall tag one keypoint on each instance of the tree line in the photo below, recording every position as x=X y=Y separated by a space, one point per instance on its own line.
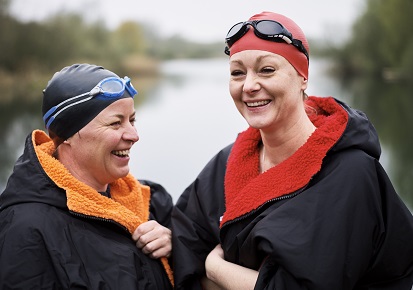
x=35 y=50
x=381 y=44
x=67 y=37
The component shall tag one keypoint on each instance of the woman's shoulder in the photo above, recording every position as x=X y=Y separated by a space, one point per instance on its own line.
x=30 y=215
x=355 y=175
x=217 y=163
x=354 y=161
x=30 y=223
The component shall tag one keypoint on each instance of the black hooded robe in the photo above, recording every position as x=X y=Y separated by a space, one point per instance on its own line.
x=326 y=218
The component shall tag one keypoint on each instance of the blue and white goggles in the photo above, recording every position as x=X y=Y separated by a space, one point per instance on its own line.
x=108 y=88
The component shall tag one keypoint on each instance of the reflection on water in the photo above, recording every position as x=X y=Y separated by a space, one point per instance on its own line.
x=17 y=119
x=188 y=116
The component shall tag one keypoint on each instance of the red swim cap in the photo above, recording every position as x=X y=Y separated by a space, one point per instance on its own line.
x=295 y=57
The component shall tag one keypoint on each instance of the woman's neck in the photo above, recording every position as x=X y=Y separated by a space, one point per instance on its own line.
x=279 y=145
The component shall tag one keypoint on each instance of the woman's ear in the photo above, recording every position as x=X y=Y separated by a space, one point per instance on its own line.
x=304 y=84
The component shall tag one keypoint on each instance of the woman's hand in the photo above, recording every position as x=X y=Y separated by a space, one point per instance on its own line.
x=154 y=239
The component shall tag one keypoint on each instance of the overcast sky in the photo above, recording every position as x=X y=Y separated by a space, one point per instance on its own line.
x=201 y=20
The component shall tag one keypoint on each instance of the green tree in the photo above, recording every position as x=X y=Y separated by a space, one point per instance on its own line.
x=129 y=39
x=382 y=42
x=4 y=7
x=70 y=39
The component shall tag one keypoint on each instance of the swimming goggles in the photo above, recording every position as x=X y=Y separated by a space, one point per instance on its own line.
x=265 y=29
x=108 y=88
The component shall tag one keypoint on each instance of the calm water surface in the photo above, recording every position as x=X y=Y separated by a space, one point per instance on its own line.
x=188 y=116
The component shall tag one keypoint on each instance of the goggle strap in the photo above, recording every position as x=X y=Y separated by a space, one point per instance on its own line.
x=64 y=108
x=283 y=37
x=54 y=108
x=299 y=44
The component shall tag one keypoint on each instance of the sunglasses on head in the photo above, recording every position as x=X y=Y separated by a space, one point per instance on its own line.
x=108 y=88
x=265 y=29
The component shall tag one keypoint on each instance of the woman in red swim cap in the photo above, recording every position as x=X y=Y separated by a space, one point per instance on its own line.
x=299 y=200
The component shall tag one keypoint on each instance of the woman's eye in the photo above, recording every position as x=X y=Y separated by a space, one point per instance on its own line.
x=117 y=123
x=267 y=70
x=236 y=73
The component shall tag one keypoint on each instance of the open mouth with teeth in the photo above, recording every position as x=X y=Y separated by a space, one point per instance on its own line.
x=257 y=104
x=121 y=153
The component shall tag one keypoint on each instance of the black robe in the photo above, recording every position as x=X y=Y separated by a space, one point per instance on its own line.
x=327 y=218
x=58 y=233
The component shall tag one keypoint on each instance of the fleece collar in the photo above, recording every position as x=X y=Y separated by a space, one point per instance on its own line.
x=246 y=189
x=129 y=202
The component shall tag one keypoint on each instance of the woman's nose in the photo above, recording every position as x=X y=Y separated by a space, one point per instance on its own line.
x=131 y=134
x=251 y=83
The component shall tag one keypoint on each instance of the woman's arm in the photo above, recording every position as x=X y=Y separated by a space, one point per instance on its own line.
x=228 y=275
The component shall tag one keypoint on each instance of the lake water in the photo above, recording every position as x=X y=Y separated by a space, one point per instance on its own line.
x=187 y=116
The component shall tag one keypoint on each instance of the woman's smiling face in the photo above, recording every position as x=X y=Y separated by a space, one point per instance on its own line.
x=266 y=89
x=100 y=150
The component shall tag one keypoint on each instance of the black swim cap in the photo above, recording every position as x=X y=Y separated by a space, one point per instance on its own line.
x=69 y=82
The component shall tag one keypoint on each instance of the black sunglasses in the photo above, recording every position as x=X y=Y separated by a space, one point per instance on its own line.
x=265 y=29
